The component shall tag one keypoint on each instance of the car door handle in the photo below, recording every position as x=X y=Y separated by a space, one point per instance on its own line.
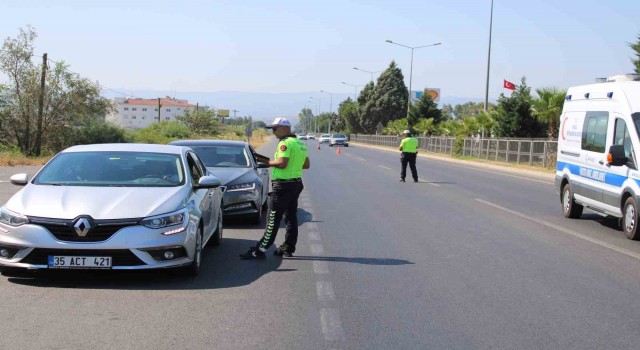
x=601 y=162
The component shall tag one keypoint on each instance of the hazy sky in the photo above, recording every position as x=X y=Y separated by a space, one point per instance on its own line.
x=300 y=46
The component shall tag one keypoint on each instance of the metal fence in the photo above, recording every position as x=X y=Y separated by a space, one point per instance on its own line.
x=533 y=152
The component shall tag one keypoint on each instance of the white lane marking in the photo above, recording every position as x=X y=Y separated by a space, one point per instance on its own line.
x=427 y=182
x=320 y=267
x=325 y=291
x=386 y=167
x=565 y=230
x=317 y=249
x=314 y=236
x=331 y=324
x=362 y=159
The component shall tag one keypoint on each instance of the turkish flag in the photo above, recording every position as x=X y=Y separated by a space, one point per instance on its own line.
x=509 y=85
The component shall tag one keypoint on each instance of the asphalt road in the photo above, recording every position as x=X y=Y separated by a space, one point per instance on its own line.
x=468 y=258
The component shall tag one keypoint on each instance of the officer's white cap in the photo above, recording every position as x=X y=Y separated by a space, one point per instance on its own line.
x=279 y=122
x=407 y=132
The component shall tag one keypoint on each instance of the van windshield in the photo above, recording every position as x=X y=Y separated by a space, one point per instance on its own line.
x=636 y=122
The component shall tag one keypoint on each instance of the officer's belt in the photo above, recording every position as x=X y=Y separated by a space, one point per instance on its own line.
x=297 y=179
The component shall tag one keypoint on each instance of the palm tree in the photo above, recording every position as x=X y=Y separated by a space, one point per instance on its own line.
x=424 y=126
x=486 y=122
x=548 y=108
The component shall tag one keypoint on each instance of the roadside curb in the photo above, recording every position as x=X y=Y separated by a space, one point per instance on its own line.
x=495 y=167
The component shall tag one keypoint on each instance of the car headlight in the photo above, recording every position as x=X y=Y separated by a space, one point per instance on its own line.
x=12 y=219
x=248 y=186
x=169 y=220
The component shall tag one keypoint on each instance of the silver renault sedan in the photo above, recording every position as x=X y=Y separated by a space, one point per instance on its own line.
x=113 y=206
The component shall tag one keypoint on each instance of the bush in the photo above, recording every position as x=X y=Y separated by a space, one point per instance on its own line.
x=98 y=132
x=458 y=145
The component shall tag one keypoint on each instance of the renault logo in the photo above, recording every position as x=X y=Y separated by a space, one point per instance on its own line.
x=82 y=226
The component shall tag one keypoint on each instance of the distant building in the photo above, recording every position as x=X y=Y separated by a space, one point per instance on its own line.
x=138 y=113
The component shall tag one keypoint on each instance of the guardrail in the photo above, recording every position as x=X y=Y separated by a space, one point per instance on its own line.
x=533 y=152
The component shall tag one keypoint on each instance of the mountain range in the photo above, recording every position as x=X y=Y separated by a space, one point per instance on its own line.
x=262 y=105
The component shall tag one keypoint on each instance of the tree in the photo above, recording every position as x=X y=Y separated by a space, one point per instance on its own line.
x=636 y=48
x=349 y=112
x=424 y=108
x=389 y=100
x=396 y=127
x=514 y=117
x=548 y=108
x=201 y=121
x=425 y=126
x=486 y=122
x=69 y=100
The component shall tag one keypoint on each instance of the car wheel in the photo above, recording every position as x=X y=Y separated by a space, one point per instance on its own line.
x=570 y=209
x=346 y=145
x=216 y=239
x=194 y=268
x=330 y=145
x=630 y=219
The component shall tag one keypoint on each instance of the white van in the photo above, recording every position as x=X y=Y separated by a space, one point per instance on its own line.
x=597 y=164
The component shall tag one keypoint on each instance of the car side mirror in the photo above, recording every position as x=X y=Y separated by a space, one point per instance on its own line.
x=19 y=179
x=262 y=165
x=208 y=181
x=616 y=156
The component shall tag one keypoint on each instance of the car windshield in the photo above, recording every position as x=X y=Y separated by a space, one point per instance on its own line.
x=325 y=135
x=128 y=169
x=223 y=156
x=338 y=136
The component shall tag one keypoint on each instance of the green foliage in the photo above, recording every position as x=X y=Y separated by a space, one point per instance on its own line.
x=424 y=108
x=547 y=108
x=470 y=109
x=69 y=100
x=96 y=132
x=388 y=102
x=396 y=127
x=162 y=132
x=202 y=121
x=425 y=126
x=514 y=117
x=349 y=112
x=636 y=51
x=486 y=122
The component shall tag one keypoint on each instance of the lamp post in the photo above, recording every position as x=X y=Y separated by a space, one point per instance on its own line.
x=355 y=89
x=366 y=71
x=486 y=90
x=331 y=103
x=317 y=110
x=411 y=69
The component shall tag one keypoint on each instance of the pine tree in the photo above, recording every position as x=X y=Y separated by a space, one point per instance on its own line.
x=424 y=108
x=389 y=101
x=514 y=117
x=636 y=49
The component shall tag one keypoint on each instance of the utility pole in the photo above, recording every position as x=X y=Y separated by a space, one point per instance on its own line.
x=41 y=106
x=486 y=90
x=159 y=107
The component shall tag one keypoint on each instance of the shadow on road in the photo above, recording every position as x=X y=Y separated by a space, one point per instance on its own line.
x=606 y=221
x=221 y=268
x=364 y=261
x=243 y=223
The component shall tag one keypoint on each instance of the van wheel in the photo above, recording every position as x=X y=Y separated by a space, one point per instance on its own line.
x=630 y=219
x=570 y=209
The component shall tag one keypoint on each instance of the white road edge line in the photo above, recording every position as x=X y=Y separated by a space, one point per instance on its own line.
x=325 y=291
x=386 y=167
x=362 y=159
x=564 y=230
x=331 y=324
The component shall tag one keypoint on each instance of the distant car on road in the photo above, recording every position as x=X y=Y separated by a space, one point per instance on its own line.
x=339 y=140
x=113 y=206
x=324 y=138
x=240 y=169
x=311 y=136
x=302 y=137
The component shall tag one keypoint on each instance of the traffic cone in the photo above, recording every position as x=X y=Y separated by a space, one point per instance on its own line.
x=318 y=145
x=338 y=151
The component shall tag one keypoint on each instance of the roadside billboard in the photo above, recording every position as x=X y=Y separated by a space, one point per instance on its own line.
x=433 y=92
x=223 y=113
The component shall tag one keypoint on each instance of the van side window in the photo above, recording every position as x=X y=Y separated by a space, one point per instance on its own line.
x=594 y=131
x=621 y=137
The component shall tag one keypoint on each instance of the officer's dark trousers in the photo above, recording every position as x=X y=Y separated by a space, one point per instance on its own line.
x=409 y=158
x=283 y=202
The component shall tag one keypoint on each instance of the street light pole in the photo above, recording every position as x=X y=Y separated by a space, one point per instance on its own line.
x=411 y=68
x=331 y=103
x=366 y=71
x=486 y=90
x=355 y=89
x=317 y=109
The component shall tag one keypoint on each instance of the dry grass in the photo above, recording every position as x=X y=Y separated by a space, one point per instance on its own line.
x=17 y=159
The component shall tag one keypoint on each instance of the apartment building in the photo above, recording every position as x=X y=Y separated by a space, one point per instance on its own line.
x=138 y=113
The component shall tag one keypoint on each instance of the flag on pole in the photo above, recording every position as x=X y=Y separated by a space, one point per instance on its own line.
x=509 y=85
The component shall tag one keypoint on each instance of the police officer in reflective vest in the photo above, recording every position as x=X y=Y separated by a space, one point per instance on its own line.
x=286 y=185
x=409 y=149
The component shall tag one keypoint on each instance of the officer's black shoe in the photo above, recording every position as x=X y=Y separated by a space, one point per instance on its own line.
x=280 y=252
x=253 y=254
x=402 y=180
x=415 y=180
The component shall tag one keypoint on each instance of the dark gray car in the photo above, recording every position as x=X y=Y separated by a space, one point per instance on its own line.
x=238 y=167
